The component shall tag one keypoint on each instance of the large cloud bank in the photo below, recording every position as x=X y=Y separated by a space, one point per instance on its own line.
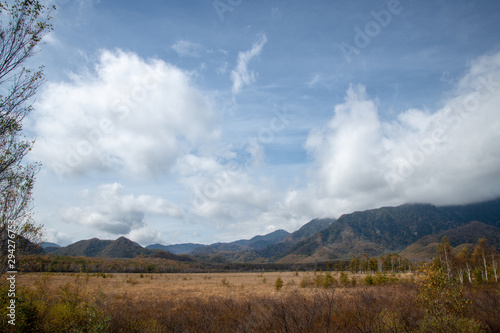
x=449 y=156
x=130 y=116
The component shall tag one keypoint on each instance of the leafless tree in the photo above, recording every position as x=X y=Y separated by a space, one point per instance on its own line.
x=24 y=25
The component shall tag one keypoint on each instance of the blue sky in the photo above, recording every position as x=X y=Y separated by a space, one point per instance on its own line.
x=205 y=121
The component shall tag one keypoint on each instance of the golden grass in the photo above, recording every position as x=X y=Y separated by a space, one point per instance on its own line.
x=246 y=302
x=147 y=287
x=171 y=286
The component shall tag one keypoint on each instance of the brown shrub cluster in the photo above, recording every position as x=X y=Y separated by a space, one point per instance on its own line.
x=376 y=309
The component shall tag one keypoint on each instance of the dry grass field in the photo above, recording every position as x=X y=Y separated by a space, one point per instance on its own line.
x=173 y=286
x=250 y=302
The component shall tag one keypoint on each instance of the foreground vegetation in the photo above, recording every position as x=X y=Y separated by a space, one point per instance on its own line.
x=253 y=302
x=457 y=292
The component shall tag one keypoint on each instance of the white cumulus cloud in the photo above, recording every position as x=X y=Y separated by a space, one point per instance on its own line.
x=127 y=114
x=447 y=156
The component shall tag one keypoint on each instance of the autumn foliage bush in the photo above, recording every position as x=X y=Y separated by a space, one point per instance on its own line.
x=69 y=310
x=446 y=309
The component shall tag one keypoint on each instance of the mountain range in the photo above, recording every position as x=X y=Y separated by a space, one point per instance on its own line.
x=411 y=229
x=119 y=248
x=387 y=229
x=184 y=248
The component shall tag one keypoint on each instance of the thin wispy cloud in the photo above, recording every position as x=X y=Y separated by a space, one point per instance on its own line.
x=315 y=79
x=186 y=48
x=241 y=76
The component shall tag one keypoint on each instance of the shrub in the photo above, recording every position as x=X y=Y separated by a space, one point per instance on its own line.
x=369 y=281
x=306 y=282
x=390 y=321
x=444 y=303
x=224 y=282
x=344 y=279
x=393 y=278
x=67 y=311
x=380 y=278
x=132 y=281
x=319 y=280
x=353 y=281
x=278 y=284
x=329 y=280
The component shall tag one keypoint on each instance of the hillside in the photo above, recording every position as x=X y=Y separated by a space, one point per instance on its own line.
x=123 y=248
x=259 y=242
x=466 y=235
x=86 y=248
x=23 y=245
x=119 y=248
x=260 y=249
x=183 y=248
x=235 y=249
x=45 y=245
x=387 y=229
x=306 y=231
x=49 y=247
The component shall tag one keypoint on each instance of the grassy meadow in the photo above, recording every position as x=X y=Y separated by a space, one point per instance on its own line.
x=142 y=287
x=253 y=302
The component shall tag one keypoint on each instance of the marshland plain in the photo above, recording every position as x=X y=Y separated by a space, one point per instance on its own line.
x=271 y=301
x=172 y=286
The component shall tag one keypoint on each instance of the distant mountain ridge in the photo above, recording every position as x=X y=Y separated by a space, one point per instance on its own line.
x=88 y=248
x=123 y=248
x=45 y=245
x=260 y=249
x=183 y=248
x=410 y=229
x=387 y=229
x=242 y=245
x=261 y=241
x=119 y=248
x=307 y=230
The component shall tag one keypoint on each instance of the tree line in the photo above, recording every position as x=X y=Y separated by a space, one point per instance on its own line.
x=388 y=263
x=477 y=264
